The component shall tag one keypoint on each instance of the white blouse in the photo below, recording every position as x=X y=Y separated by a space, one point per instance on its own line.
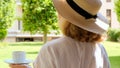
x=68 y=53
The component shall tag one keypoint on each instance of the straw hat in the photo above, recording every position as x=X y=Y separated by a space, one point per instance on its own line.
x=83 y=13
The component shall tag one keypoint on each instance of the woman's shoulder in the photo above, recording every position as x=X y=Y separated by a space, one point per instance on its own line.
x=55 y=42
x=58 y=43
x=55 y=46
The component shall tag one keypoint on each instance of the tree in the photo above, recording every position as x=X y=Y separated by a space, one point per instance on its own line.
x=39 y=16
x=117 y=9
x=3 y=33
x=7 y=11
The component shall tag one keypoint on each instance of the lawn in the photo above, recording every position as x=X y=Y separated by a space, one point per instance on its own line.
x=32 y=48
x=113 y=50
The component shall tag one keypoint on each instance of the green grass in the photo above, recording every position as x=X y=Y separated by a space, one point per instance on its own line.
x=113 y=50
x=32 y=49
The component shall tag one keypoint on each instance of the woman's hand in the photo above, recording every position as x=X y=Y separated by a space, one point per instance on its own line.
x=20 y=66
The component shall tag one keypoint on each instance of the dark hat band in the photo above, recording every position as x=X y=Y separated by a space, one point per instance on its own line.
x=79 y=10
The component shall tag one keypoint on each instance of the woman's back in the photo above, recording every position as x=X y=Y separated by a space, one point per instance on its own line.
x=68 y=53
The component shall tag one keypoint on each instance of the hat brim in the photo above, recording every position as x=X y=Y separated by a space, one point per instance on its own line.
x=98 y=26
x=10 y=61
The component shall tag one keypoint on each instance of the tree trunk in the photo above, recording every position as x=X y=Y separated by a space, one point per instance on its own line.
x=45 y=37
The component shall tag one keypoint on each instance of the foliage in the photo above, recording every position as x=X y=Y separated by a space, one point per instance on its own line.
x=117 y=9
x=7 y=9
x=3 y=33
x=39 y=16
x=114 y=35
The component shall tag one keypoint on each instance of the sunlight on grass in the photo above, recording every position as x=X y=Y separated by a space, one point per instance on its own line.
x=113 y=50
x=3 y=44
x=31 y=49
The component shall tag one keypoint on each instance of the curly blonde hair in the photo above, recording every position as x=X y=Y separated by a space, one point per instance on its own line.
x=78 y=33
